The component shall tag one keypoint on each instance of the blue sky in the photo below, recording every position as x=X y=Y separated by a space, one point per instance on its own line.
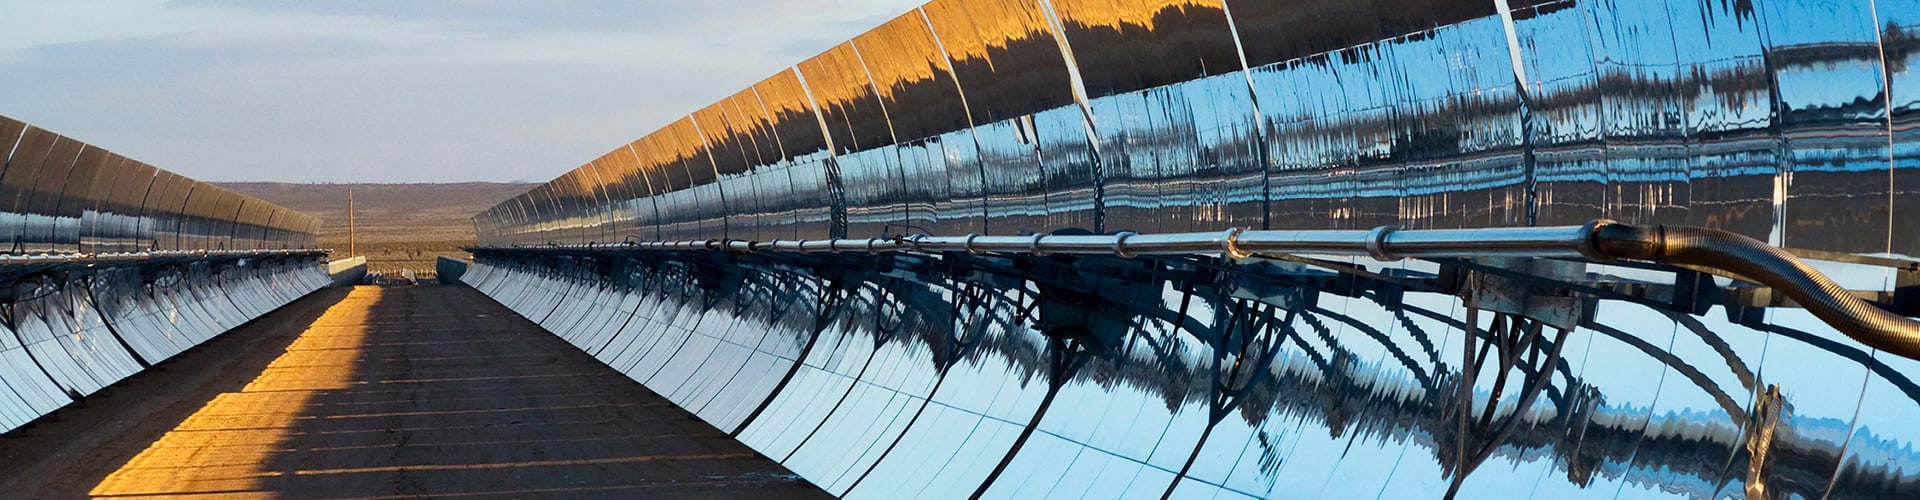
x=393 y=91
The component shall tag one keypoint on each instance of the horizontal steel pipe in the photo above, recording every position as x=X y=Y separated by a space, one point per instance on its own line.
x=1388 y=242
x=60 y=258
x=1006 y=119
x=1557 y=241
x=1597 y=241
x=741 y=386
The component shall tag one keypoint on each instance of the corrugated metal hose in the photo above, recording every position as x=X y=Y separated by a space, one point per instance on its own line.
x=1770 y=266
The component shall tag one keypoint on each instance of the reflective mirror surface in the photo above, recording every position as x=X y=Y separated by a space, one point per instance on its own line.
x=948 y=376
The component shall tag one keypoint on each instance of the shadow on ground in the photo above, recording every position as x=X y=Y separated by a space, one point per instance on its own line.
x=430 y=390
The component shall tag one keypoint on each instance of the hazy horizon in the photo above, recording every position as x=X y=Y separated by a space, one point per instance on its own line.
x=429 y=91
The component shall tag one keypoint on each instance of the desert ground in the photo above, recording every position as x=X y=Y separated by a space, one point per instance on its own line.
x=399 y=226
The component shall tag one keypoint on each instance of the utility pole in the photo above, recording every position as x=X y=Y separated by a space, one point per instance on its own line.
x=353 y=242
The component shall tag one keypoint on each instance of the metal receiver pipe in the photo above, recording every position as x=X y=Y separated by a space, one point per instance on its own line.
x=1384 y=243
x=1597 y=241
x=65 y=258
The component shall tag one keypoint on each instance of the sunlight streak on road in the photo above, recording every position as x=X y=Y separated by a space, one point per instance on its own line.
x=226 y=446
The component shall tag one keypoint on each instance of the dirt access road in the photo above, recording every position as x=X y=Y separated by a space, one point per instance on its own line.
x=384 y=392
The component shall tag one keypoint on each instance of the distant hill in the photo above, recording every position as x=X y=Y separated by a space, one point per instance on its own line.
x=377 y=201
x=399 y=225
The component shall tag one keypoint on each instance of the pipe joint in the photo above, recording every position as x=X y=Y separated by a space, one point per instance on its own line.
x=1120 y=244
x=1377 y=243
x=1230 y=244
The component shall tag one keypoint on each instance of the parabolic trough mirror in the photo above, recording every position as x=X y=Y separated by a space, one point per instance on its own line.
x=1175 y=249
x=111 y=265
x=1015 y=249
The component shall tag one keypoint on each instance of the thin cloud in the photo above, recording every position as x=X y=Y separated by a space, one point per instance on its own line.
x=392 y=91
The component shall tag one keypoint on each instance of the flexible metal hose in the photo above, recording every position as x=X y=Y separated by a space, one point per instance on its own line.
x=1770 y=266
